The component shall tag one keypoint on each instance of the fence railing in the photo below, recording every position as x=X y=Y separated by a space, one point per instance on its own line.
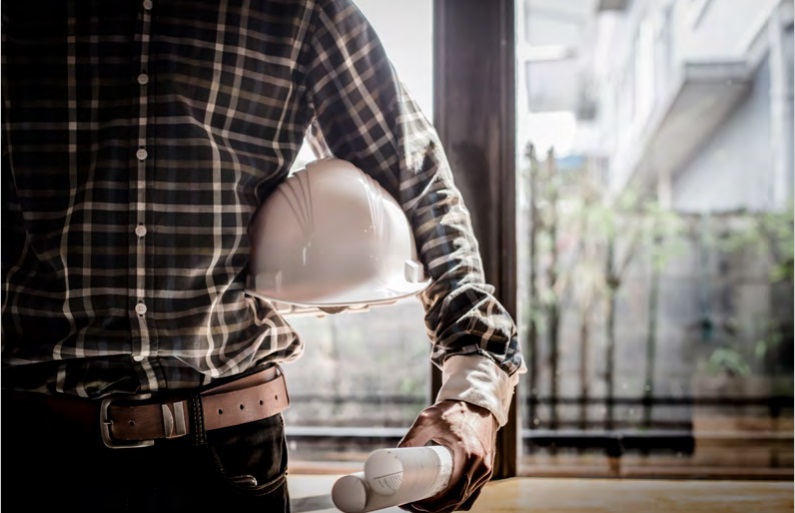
x=650 y=435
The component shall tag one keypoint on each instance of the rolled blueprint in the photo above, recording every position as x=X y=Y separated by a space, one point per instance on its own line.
x=351 y=494
x=393 y=477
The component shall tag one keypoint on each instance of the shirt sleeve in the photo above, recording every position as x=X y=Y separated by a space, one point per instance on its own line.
x=367 y=117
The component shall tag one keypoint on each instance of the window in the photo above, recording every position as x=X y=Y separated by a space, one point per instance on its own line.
x=658 y=327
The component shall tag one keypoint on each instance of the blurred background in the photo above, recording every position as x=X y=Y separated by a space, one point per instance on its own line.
x=653 y=240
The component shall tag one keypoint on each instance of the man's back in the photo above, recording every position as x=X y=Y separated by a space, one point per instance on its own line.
x=138 y=143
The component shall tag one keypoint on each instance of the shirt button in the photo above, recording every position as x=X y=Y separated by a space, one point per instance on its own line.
x=140 y=308
x=148 y=4
x=140 y=230
x=141 y=154
x=143 y=79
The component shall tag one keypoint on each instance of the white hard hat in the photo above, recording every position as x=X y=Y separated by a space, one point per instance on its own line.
x=331 y=238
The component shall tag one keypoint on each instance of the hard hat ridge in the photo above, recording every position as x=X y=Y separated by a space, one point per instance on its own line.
x=298 y=195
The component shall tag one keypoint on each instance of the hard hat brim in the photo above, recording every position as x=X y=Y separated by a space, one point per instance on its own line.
x=366 y=294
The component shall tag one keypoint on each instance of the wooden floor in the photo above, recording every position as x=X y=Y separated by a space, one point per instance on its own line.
x=311 y=493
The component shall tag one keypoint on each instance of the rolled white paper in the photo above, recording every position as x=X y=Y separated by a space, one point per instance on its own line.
x=351 y=494
x=393 y=477
x=413 y=471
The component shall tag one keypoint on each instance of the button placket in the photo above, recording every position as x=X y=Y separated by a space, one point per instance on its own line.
x=144 y=350
x=140 y=309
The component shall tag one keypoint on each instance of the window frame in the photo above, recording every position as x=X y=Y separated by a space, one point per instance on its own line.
x=474 y=55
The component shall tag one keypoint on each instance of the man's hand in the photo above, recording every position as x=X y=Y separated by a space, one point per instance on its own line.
x=470 y=431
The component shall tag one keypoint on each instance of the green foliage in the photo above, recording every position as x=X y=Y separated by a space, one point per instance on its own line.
x=727 y=359
x=585 y=240
x=576 y=224
x=767 y=237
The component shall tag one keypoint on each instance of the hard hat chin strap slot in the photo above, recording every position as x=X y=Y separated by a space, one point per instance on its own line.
x=413 y=271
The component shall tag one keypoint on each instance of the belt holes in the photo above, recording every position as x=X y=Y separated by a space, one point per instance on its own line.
x=275 y=397
x=220 y=411
x=261 y=402
x=131 y=422
x=242 y=407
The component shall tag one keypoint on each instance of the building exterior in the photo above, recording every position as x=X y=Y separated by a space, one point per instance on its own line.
x=689 y=98
x=688 y=104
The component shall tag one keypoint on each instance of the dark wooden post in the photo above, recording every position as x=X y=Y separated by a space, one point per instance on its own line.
x=474 y=107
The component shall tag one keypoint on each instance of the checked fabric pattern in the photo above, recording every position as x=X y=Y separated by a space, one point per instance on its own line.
x=139 y=138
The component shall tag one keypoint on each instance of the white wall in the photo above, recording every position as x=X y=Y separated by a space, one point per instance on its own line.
x=405 y=27
x=718 y=29
x=733 y=169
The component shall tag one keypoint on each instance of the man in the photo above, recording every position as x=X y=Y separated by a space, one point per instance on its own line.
x=139 y=138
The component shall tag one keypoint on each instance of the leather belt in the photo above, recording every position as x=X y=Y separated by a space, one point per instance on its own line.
x=137 y=421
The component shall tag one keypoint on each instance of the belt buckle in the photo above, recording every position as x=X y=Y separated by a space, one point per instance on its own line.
x=105 y=424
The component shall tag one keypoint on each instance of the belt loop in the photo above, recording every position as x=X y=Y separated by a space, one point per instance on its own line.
x=197 y=432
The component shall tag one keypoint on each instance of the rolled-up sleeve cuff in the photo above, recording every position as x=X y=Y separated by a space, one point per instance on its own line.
x=478 y=380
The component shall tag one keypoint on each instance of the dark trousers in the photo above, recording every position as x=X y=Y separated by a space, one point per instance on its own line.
x=50 y=465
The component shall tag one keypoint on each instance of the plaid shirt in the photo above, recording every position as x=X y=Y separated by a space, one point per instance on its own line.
x=139 y=138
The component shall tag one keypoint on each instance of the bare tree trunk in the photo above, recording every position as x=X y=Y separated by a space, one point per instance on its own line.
x=587 y=301
x=585 y=335
x=532 y=335
x=336 y=383
x=610 y=333
x=553 y=309
x=651 y=335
